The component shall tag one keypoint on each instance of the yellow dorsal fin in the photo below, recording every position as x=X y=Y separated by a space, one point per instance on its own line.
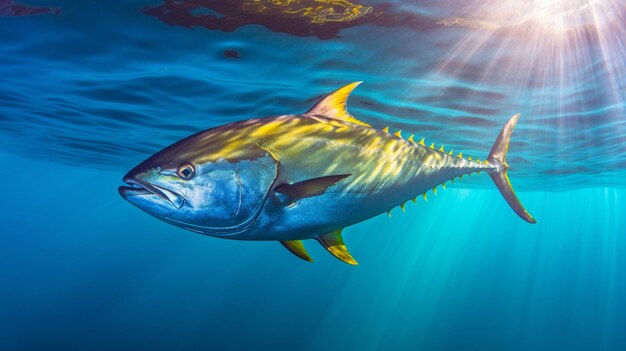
x=410 y=138
x=334 y=105
x=296 y=248
x=386 y=129
x=333 y=242
x=398 y=134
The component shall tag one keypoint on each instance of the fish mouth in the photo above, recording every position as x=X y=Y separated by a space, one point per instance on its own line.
x=141 y=188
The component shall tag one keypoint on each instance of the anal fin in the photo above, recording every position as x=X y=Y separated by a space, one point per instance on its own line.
x=297 y=248
x=333 y=242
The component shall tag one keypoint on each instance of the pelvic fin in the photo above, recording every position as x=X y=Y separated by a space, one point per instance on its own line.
x=296 y=248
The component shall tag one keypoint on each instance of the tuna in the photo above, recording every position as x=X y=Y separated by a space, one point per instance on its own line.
x=296 y=177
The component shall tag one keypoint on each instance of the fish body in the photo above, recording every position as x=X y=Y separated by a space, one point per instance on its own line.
x=296 y=177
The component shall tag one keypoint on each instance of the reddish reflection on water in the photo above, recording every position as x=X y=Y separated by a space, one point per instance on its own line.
x=10 y=8
x=321 y=18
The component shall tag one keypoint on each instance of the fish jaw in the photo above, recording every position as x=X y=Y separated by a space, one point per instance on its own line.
x=139 y=187
x=155 y=200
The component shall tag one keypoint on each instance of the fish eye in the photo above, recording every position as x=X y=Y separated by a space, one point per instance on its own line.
x=186 y=171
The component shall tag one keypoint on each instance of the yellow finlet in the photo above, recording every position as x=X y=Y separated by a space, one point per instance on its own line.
x=460 y=155
x=422 y=142
x=334 y=105
x=441 y=149
x=432 y=146
x=414 y=200
x=333 y=243
x=469 y=158
x=398 y=134
x=296 y=248
x=386 y=129
x=402 y=206
x=478 y=160
x=424 y=196
x=443 y=185
x=410 y=138
x=450 y=153
x=435 y=190
x=389 y=214
x=485 y=162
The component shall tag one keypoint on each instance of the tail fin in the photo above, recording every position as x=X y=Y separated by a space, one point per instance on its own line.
x=497 y=157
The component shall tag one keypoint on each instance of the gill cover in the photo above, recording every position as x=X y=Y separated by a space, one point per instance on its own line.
x=228 y=196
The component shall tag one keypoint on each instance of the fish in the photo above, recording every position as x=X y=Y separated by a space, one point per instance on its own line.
x=292 y=178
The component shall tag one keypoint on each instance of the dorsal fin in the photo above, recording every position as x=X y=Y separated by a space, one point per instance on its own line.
x=334 y=105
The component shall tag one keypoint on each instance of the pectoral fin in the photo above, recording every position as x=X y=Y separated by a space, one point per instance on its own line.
x=333 y=242
x=309 y=187
x=296 y=248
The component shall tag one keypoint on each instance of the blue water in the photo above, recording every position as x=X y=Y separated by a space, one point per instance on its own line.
x=89 y=89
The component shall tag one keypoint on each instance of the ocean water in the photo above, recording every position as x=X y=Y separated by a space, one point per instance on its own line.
x=89 y=89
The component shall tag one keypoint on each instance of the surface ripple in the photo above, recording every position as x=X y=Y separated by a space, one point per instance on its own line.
x=104 y=85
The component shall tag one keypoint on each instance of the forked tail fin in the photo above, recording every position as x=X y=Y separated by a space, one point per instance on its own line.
x=497 y=157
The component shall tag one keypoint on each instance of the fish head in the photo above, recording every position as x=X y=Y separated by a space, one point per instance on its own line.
x=200 y=187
